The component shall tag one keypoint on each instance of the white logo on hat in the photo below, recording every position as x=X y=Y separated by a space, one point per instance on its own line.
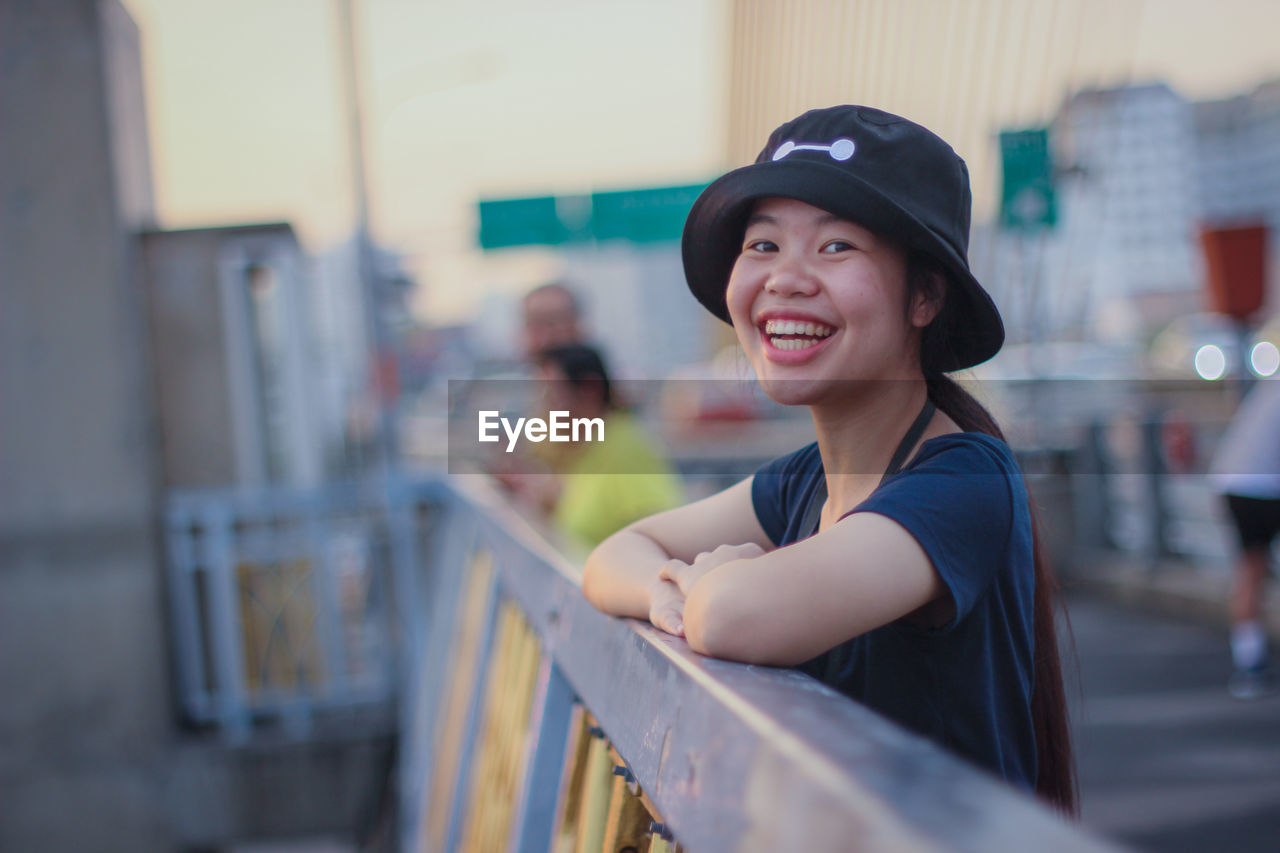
x=841 y=149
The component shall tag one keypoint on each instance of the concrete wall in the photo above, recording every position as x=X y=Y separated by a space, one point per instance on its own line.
x=83 y=668
x=190 y=351
x=215 y=419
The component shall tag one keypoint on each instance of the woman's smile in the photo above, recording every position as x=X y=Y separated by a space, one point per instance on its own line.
x=793 y=339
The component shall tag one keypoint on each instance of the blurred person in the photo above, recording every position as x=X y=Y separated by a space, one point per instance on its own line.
x=551 y=317
x=599 y=484
x=1246 y=471
x=897 y=558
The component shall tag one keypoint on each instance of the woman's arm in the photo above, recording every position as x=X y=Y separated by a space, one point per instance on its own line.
x=786 y=606
x=621 y=573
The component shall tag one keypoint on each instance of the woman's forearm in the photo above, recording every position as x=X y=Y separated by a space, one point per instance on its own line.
x=620 y=571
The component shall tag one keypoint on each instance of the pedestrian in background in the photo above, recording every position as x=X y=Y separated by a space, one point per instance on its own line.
x=605 y=484
x=592 y=487
x=1246 y=471
x=551 y=316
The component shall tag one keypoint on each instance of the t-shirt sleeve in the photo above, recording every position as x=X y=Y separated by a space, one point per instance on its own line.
x=959 y=505
x=776 y=487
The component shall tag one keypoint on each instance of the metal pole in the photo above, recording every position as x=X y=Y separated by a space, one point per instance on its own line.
x=374 y=326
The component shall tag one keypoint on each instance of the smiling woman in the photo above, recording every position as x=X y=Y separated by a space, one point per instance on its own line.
x=896 y=558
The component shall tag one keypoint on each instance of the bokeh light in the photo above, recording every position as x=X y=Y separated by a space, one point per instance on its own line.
x=1210 y=362
x=1265 y=358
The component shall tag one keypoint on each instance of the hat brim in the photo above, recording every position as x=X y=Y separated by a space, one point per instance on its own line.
x=713 y=231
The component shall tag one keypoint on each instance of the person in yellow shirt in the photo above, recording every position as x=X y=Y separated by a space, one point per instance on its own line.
x=607 y=481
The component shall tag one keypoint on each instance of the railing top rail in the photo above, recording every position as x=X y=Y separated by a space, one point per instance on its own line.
x=276 y=499
x=748 y=757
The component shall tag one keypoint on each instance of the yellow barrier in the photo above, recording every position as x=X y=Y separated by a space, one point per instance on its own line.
x=601 y=812
x=500 y=752
x=465 y=663
x=277 y=615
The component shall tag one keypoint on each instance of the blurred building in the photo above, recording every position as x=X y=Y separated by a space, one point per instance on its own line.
x=234 y=357
x=1238 y=152
x=351 y=386
x=131 y=361
x=1123 y=259
x=1141 y=172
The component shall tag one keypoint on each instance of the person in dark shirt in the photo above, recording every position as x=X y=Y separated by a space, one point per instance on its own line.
x=896 y=558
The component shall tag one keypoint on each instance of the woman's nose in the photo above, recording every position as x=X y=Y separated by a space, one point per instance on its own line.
x=791 y=279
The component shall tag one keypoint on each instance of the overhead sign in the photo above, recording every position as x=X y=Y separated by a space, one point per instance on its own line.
x=638 y=216
x=642 y=216
x=521 y=222
x=1027 y=198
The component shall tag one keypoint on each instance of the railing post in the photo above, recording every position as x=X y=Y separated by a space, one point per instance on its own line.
x=400 y=508
x=186 y=608
x=1157 y=484
x=475 y=703
x=544 y=764
x=225 y=628
x=295 y=715
x=597 y=790
x=445 y=585
x=427 y=666
x=328 y=623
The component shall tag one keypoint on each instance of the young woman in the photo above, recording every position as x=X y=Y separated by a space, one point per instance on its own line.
x=896 y=558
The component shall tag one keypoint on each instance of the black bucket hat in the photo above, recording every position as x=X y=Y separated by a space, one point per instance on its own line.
x=874 y=168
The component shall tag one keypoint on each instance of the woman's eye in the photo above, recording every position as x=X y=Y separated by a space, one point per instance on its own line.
x=761 y=246
x=837 y=246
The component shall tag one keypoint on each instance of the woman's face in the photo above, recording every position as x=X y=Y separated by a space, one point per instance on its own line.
x=818 y=301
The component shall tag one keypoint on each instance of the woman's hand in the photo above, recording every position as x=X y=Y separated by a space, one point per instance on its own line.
x=685 y=575
x=666 y=607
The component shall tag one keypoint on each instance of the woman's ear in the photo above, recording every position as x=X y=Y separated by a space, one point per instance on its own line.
x=927 y=302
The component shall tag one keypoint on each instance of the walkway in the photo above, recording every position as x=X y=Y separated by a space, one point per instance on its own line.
x=1168 y=761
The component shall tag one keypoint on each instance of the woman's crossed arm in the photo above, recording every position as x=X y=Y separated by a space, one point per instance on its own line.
x=708 y=571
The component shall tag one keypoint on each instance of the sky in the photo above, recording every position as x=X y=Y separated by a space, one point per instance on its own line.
x=505 y=98
x=494 y=99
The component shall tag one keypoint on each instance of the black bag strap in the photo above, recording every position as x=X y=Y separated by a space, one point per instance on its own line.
x=909 y=440
x=809 y=525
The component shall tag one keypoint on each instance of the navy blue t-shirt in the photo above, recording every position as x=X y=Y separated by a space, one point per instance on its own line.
x=967 y=684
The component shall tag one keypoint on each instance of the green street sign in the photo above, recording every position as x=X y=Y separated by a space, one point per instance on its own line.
x=642 y=216
x=637 y=216
x=521 y=222
x=1027 y=198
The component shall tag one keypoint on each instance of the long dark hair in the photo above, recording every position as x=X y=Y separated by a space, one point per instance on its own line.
x=1055 y=762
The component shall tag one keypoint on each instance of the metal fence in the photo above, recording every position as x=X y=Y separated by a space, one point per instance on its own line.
x=283 y=601
x=534 y=722
x=1145 y=481
x=528 y=720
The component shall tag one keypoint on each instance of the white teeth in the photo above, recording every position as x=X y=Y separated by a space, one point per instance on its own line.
x=793 y=343
x=796 y=327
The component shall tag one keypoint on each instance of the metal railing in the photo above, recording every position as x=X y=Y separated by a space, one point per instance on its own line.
x=283 y=600
x=533 y=722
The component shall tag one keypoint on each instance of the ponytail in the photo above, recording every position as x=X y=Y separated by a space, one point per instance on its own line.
x=1055 y=764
